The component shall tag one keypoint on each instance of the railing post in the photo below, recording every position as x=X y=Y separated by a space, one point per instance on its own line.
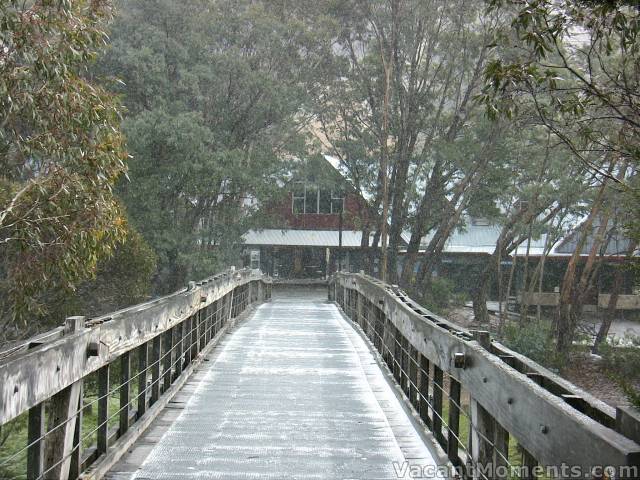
x=438 y=385
x=35 y=440
x=167 y=361
x=413 y=377
x=63 y=411
x=214 y=318
x=454 y=421
x=75 y=469
x=103 y=409
x=193 y=338
x=179 y=347
x=186 y=340
x=424 y=390
x=489 y=441
x=143 y=365
x=156 y=354
x=529 y=463
x=125 y=393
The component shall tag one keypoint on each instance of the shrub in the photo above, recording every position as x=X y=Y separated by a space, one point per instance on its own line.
x=532 y=340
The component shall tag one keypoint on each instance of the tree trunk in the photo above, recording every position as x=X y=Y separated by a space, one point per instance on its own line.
x=610 y=313
x=480 y=293
x=566 y=311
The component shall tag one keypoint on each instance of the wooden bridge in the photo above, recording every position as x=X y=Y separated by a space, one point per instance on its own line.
x=220 y=380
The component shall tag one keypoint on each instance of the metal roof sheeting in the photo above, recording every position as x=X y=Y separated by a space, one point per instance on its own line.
x=302 y=238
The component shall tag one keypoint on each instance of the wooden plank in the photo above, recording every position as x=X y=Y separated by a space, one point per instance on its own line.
x=628 y=422
x=75 y=469
x=62 y=418
x=156 y=354
x=103 y=409
x=438 y=386
x=482 y=435
x=32 y=376
x=540 y=420
x=501 y=452
x=529 y=463
x=143 y=365
x=35 y=442
x=454 y=422
x=167 y=361
x=125 y=392
x=413 y=377
x=424 y=390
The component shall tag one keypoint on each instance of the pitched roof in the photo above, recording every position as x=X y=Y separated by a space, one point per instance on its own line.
x=302 y=238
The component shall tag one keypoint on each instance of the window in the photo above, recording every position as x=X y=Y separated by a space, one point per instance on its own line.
x=324 y=204
x=298 y=198
x=337 y=202
x=311 y=199
x=308 y=198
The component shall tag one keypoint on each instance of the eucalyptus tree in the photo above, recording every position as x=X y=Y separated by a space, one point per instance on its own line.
x=61 y=150
x=532 y=190
x=216 y=94
x=578 y=64
x=406 y=75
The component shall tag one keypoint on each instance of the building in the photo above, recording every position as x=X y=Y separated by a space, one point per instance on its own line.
x=317 y=223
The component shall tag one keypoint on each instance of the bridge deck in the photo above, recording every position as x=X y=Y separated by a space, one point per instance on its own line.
x=293 y=392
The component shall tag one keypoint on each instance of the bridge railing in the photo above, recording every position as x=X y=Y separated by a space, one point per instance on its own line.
x=495 y=413
x=90 y=388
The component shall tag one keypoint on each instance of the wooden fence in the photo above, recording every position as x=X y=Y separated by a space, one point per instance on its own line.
x=519 y=416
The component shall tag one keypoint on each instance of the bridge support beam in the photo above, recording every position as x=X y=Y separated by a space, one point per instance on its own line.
x=64 y=409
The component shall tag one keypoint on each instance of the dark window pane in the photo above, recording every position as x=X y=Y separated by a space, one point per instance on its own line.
x=337 y=205
x=298 y=205
x=311 y=204
x=325 y=201
x=298 y=190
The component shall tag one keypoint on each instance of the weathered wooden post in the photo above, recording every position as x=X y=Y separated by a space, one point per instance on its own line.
x=143 y=365
x=413 y=377
x=156 y=354
x=424 y=390
x=35 y=440
x=438 y=387
x=167 y=361
x=489 y=441
x=454 y=421
x=125 y=393
x=103 y=410
x=63 y=410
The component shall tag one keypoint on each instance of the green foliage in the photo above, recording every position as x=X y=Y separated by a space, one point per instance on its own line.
x=440 y=294
x=580 y=86
x=216 y=93
x=623 y=364
x=61 y=151
x=121 y=280
x=532 y=340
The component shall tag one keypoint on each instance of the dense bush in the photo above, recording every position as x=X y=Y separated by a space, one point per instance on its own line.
x=532 y=340
x=439 y=295
x=622 y=361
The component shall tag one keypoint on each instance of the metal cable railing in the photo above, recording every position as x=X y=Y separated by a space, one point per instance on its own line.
x=406 y=377
x=182 y=344
x=421 y=390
